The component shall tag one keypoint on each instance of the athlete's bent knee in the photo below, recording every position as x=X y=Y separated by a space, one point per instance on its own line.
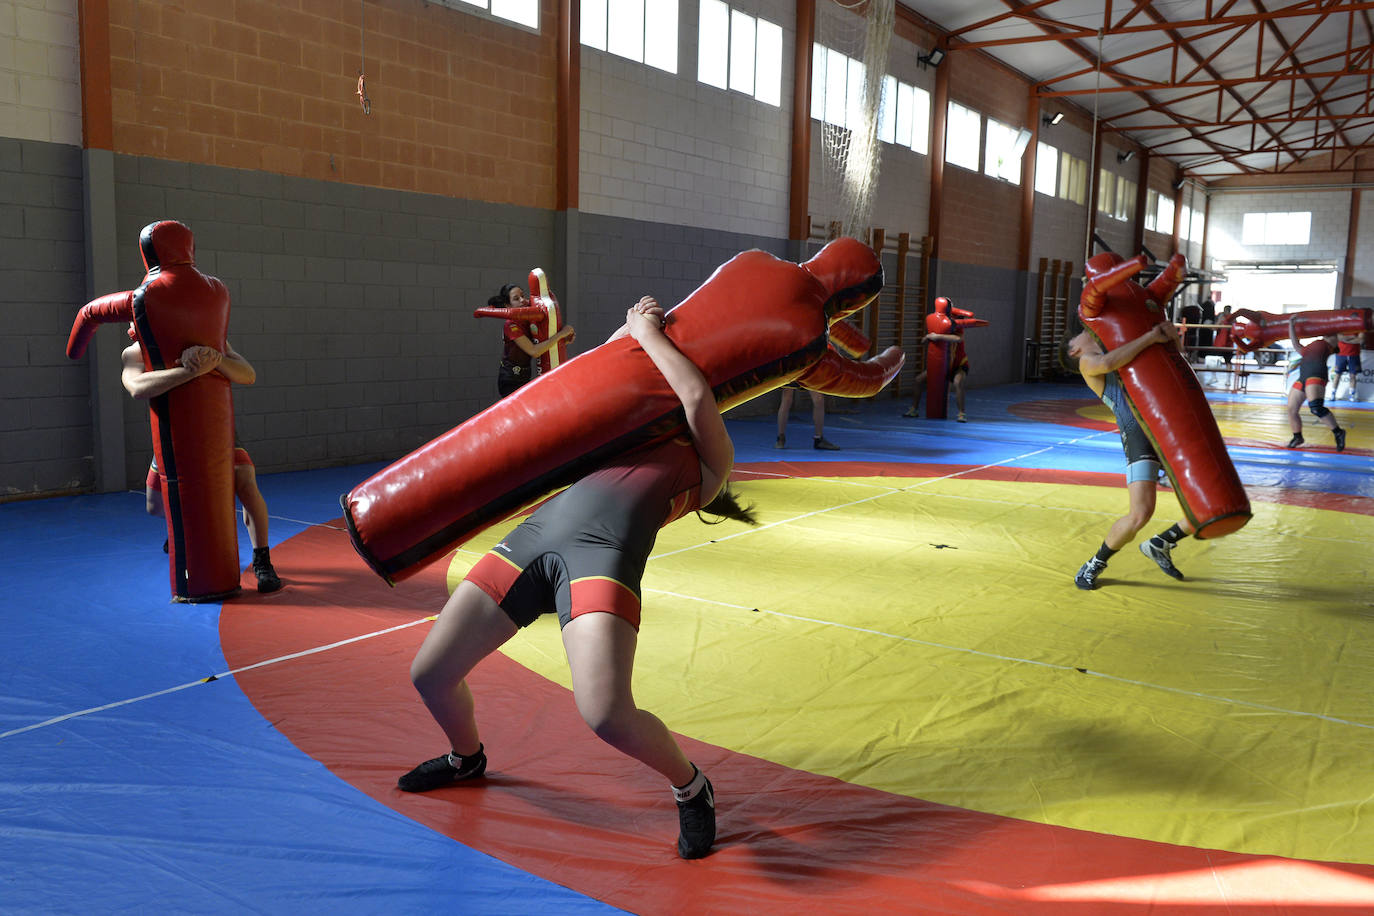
x=1318 y=407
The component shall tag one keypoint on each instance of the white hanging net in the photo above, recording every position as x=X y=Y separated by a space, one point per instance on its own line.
x=856 y=36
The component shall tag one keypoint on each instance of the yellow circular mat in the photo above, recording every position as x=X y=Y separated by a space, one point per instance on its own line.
x=923 y=636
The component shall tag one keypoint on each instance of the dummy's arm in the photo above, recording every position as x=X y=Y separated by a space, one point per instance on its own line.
x=645 y=323
x=1293 y=335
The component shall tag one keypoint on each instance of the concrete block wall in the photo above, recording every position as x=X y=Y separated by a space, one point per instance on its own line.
x=902 y=199
x=40 y=74
x=353 y=304
x=1330 y=225
x=664 y=147
x=996 y=351
x=45 y=420
x=1362 y=269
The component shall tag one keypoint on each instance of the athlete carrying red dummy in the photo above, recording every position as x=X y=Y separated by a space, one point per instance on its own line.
x=1129 y=355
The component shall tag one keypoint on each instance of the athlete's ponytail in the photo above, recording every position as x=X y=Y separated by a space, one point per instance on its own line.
x=727 y=505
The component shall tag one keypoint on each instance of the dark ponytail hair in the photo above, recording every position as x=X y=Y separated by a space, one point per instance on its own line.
x=727 y=505
x=501 y=299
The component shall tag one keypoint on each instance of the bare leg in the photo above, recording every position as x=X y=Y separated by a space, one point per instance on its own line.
x=1317 y=390
x=152 y=499
x=254 y=506
x=601 y=653
x=959 y=391
x=784 y=414
x=784 y=410
x=918 y=389
x=1142 y=507
x=818 y=413
x=470 y=627
x=1295 y=401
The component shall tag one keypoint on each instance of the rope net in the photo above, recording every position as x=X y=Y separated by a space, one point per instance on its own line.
x=855 y=38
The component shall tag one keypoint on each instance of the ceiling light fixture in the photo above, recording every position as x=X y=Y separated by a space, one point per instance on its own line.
x=1053 y=119
x=1126 y=156
x=933 y=58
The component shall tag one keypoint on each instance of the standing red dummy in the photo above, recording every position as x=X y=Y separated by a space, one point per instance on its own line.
x=1164 y=393
x=945 y=359
x=193 y=424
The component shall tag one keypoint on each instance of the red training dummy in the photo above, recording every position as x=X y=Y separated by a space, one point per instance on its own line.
x=1164 y=392
x=1252 y=330
x=944 y=357
x=544 y=316
x=759 y=322
x=193 y=424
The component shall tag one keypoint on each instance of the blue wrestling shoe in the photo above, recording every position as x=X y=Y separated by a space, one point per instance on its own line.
x=1160 y=554
x=1088 y=573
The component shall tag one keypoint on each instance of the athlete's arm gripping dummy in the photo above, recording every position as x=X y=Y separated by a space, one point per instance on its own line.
x=757 y=323
x=713 y=445
x=1163 y=390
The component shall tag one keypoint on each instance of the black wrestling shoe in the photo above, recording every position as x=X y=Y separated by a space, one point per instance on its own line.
x=823 y=444
x=697 y=823
x=1088 y=573
x=1339 y=433
x=781 y=443
x=1161 y=556
x=268 y=580
x=1295 y=441
x=440 y=772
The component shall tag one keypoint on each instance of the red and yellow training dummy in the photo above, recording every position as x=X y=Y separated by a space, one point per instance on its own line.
x=1164 y=393
x=544 y=316
x=757 y=323
x=177 y=307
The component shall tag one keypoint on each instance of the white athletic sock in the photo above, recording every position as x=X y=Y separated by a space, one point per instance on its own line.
x=689 y=791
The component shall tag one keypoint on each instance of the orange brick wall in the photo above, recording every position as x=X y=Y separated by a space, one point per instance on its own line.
x=462 y=105
x=981 y=216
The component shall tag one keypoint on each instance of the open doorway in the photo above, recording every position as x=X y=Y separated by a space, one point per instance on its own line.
x=1280 y=288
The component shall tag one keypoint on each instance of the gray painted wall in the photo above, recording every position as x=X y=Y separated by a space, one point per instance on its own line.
x=996 y=351
x=354 y=304
x=45 y=423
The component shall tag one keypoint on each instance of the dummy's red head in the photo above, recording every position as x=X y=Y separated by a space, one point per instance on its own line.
x=166 y=243
x=942 y=305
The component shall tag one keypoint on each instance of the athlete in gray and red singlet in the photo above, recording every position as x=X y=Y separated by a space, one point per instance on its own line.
x=581 y=555
x=1310 y=387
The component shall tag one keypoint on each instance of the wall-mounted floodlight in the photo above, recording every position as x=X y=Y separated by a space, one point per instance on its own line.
x=933 y=58
x=1053 y=119
x=1126 y=156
